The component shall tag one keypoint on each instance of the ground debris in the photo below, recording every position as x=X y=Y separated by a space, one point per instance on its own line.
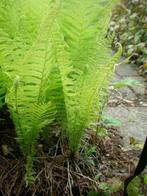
x=59 y=174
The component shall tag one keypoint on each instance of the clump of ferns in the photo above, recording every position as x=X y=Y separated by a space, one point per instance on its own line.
x=59 y=65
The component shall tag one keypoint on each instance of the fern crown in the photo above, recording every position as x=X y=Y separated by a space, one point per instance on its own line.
x=55 y=65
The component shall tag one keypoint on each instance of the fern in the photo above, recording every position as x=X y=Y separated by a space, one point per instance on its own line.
x=26 y=97
x=4 y=81
x=56 y=64
x=61 y=92
x=84 y=28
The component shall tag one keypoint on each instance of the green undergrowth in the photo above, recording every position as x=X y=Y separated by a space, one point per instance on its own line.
x=129 y=22
x=135 y=188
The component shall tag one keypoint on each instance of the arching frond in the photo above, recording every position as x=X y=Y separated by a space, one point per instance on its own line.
x=26 y=98
x=84 y=29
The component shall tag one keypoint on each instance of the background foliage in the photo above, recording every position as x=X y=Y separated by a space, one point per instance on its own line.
x=129 y=22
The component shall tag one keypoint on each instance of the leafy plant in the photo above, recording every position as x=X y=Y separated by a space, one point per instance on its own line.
x=107 y=189
x=145 y=179
x=57 y=61
x=102 y=132
x=134 y=187
x=109 y=121
x=129 y=23
x=126 y=82
x=89 y=154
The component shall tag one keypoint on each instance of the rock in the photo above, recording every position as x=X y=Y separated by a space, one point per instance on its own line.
x=133 y=117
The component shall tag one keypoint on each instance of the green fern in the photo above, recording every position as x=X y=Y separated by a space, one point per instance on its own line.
x=4 y=81
x=26 y=97
x=84 y=29
x=61 y=88
x=58 y=64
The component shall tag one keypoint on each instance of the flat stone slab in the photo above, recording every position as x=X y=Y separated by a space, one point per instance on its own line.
x=133 y=117
x=133 y=122
x=126 y=70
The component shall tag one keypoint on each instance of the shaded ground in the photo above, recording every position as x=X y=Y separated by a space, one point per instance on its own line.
x=57 y=173
x=129 y=105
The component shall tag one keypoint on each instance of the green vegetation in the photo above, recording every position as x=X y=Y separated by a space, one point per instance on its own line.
x=55 y=66
x=129 y=22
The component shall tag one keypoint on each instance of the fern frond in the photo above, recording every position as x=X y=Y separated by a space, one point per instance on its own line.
x=78 y=22
x=26 y=98
x=62 y=91
x=4 y=81
x=91 y=98
x=84 y=29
